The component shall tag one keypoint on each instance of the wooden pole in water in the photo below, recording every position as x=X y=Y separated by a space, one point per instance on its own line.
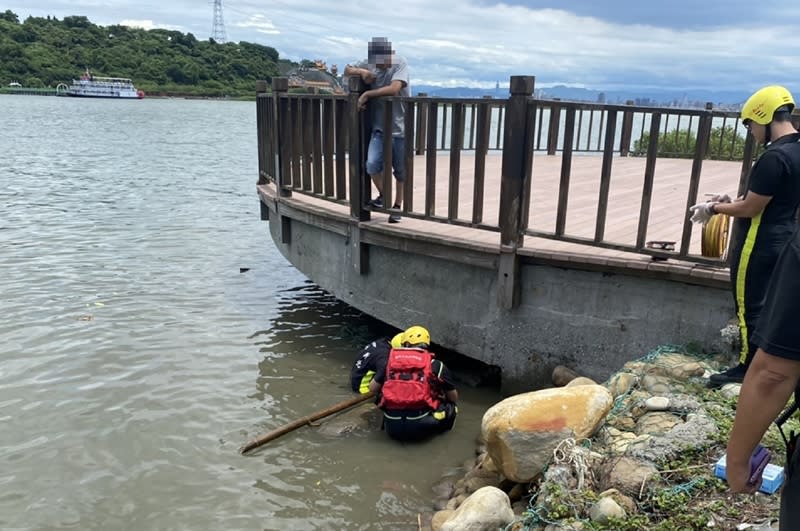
x=274 y=434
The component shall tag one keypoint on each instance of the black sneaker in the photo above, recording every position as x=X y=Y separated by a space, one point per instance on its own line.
x=732 y=375
x=394 y=218
x=377 y=202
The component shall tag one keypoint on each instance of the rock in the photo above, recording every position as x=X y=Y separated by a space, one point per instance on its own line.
x=517 y=492
x=626 y=474
x=624 y=423
x=439 y=518
x=604 y=509
x=560 y=475
x=657 y=385
x=563 y=375
x=657 y=403
x=696 y=431
x=523 y=430
x=440 y=504
x=444 y=489
x=519 y=507
x=486 y=510
x=476 y=483
x=622 y=383
x=563 y=526
x=625 y=502
x=675 y=365
x=487 y=464
x=731 y=390
x=656 y=423
x=581 y=380
x=626 y=440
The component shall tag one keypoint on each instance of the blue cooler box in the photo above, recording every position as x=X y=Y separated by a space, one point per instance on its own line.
x=771 y=478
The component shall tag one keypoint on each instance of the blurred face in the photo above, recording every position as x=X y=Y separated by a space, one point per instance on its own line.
x=383 y=61
x=379 y=53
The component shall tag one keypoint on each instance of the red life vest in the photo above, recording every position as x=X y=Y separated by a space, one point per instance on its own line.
x=410 y=383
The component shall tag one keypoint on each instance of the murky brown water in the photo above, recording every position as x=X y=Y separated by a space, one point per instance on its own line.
x=135 y=358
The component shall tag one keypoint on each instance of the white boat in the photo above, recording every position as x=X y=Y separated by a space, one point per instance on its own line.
x=91 y=86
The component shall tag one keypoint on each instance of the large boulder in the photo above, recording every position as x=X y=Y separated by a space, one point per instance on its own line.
x=522 y=431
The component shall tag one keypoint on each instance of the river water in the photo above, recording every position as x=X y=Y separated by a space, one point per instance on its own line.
x=150 y=328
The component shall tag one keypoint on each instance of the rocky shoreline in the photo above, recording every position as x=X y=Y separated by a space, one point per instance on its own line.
x=635 y=453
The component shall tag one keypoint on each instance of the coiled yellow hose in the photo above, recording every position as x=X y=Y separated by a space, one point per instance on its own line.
x=714 y=243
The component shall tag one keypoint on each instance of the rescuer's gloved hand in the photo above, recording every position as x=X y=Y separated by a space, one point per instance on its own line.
x=702 y=212
x=720 y=198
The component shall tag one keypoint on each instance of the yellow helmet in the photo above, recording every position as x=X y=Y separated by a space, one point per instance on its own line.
x=417 y=336
x=397 y=340
x=761 y=106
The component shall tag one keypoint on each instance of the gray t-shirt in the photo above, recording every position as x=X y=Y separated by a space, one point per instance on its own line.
x=383 y=77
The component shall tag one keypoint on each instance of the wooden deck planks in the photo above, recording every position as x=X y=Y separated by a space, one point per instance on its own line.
x=667 y=211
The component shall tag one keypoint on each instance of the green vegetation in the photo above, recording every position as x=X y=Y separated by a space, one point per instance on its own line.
x=724 y=144
x=43 y=52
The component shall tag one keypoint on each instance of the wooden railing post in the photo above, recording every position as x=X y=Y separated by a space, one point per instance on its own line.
x=709 y=107
x=422 y=121
x=627 y=131
x=747 y=163
x=552 y=129
x=359 y=138
x=701 y=148
x=282 y=138
x=262 y=131
x=517 y=142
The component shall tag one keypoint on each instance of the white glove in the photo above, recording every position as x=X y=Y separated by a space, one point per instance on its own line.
x=719 y=198
x=701 y=212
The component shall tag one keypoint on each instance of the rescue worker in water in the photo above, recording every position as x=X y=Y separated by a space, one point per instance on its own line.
x=418 y=397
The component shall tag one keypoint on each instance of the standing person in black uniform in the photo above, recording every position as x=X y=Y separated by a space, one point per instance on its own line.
x=765 y=217
x=773 y=375
x=418 y=395
x=372 y=360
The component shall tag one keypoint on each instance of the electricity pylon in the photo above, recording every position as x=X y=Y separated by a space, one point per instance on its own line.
x=218 y=29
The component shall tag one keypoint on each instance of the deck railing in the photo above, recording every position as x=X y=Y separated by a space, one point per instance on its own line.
x=316 y=144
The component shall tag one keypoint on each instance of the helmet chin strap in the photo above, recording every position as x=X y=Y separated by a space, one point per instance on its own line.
x=767 y=134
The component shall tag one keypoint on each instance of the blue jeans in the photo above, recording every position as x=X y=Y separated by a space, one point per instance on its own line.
x=375 y=155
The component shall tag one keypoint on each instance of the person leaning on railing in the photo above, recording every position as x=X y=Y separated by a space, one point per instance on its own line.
x=765 y=217
x=387 y=75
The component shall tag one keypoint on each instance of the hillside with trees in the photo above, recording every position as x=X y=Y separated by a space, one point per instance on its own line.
x=45 y=51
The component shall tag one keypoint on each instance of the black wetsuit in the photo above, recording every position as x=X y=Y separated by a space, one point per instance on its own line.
x=371 y=360
x=757 y=242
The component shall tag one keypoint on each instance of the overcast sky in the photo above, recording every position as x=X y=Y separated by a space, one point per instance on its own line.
x=710 y=44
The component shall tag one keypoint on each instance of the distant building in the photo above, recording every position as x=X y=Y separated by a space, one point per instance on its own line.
x=315 y=79
x=601 y=98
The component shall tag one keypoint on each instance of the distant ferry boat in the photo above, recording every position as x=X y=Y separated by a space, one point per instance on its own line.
x=91 y=86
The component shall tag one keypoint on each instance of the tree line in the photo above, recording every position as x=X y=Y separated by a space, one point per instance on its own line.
x=45 y=51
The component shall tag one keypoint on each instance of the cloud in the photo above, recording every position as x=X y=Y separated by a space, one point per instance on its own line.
x=259 y=23
x=148 y=25
x=720 y=44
